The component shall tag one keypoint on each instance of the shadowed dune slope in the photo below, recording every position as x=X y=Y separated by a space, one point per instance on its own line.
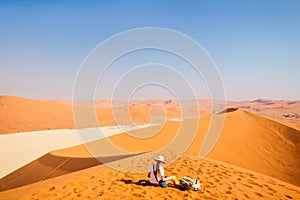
x=50 y=166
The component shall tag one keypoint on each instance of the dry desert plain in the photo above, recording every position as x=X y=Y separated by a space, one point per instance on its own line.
x=256 y=156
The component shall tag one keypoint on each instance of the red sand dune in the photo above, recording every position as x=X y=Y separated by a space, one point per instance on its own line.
x=287 y=112
x=219 y=181
x=22 y=115
x=247 y=140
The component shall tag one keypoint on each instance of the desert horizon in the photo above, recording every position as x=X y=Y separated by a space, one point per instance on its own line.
x=160 y=100
x=252 y=132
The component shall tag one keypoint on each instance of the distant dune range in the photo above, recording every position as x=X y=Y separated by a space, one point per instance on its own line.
x=250 y=141
x=247 y=140
x=22 y=115
x=287 y=112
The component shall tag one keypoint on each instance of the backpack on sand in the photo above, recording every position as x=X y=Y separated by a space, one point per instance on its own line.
x=190 y=183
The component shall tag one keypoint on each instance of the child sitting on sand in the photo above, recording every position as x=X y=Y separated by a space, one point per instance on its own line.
x=157 y=174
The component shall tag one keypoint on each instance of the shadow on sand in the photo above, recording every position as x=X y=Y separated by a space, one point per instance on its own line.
x=140 y=182
x=146 y=183
x=50 y=166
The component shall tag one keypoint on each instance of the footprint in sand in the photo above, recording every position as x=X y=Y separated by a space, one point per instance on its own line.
x=228 y=192
x=100 y=194
x=216 y=180
x=78 y=190
x=246 y=195
x=256 y=184
x=48 y=189
x=59 y=195
x=253 y=176
x=249 y=186
x=288 y=196
x=258 y=194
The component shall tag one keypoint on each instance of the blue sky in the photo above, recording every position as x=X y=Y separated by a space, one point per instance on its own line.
x=255 y=44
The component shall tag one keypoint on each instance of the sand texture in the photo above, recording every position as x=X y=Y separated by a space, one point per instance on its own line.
x=256 y=155
x=219 y=181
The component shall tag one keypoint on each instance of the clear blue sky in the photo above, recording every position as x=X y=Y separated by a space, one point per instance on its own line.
x=255 y=44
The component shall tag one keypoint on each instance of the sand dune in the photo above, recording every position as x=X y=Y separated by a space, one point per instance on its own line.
x=259 y=144
x=32 y=145
x=247 y=140
x=287 y=112
x=219 y=181
x=24 y=115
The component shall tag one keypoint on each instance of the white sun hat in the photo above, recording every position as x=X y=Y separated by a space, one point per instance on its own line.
x=160 y=159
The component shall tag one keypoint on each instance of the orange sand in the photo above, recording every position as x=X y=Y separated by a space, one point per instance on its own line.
x=23 y=115
x=287 y=112
x=247 y=140
x=219 y=181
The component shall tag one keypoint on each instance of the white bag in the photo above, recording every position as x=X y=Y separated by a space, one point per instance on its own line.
x=190 y=183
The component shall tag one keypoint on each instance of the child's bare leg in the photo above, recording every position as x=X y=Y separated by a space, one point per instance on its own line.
x=172 y=179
